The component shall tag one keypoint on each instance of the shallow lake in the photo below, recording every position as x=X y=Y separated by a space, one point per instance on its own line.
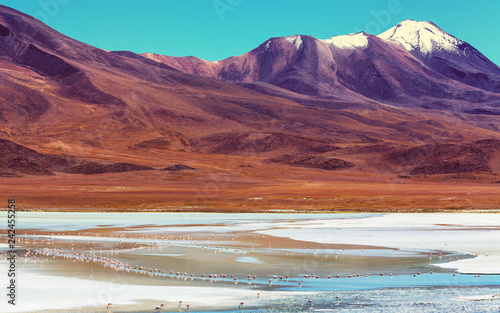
x=271 y=262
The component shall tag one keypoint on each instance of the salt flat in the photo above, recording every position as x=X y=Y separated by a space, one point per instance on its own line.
x=309 y=248
x=39 y=292
x=467 y=233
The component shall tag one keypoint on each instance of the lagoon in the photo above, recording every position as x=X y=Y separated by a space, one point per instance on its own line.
x=426 y=262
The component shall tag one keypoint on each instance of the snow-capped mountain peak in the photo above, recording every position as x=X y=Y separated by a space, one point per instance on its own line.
x=350 y=41
x=424 y=37
x=295 y=40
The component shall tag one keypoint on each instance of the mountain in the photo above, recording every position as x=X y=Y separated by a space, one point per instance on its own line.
x=414 y=64
x=352 y=122
x=445 y=54
x=339 y=104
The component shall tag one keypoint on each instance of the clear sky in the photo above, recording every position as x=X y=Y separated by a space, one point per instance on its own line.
x=217 y=29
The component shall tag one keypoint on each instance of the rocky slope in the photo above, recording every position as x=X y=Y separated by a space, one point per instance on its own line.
x=296 y=101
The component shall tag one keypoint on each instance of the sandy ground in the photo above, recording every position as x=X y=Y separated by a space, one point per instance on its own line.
x=258 y=189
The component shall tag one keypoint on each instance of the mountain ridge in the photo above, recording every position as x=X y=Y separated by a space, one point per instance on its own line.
x=296 y=62
x=292 y=96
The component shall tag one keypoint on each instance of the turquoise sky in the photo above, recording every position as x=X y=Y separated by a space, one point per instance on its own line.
x=216 y=29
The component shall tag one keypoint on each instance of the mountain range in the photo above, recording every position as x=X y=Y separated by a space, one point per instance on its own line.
x=410 y=102
x=414 y=64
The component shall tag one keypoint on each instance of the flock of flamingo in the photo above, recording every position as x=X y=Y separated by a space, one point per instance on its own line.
x=96 y=256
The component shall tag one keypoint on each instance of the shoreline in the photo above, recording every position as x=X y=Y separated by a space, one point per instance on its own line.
x=214 y=211
x=298 y=247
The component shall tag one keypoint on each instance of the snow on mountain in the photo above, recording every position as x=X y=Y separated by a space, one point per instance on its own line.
x=445 y=54
x=295 y=40
x=350 y=41
x=402 y=65
x=424 y=37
